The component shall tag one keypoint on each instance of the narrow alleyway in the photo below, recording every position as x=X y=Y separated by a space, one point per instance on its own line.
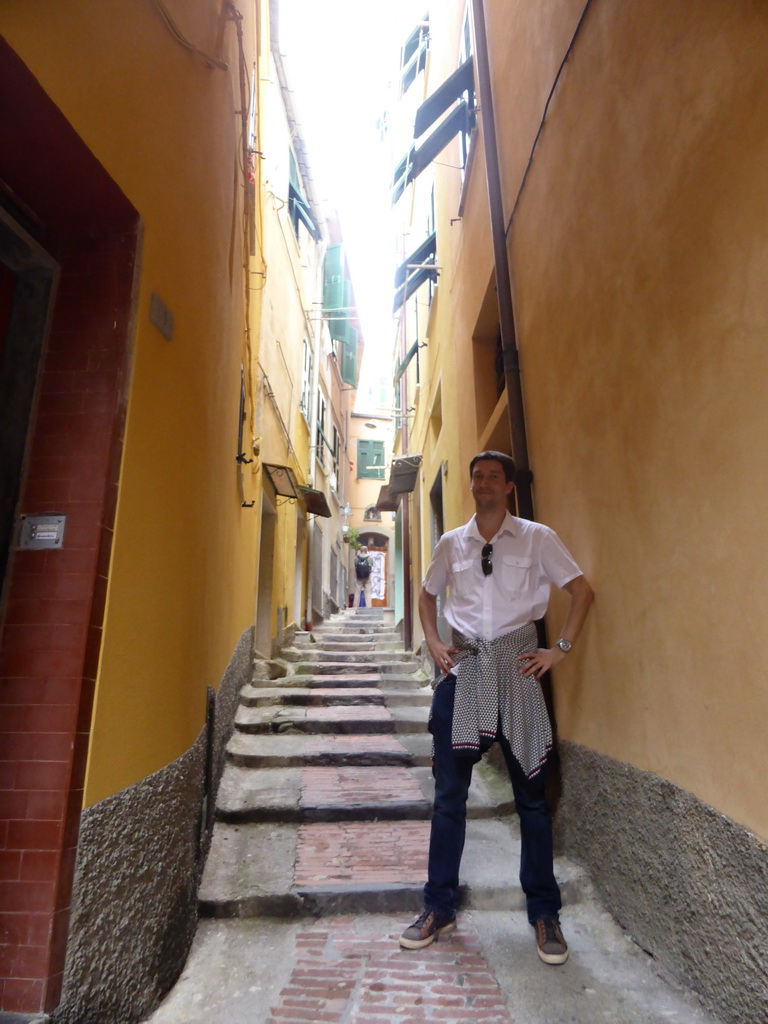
x=319 y=856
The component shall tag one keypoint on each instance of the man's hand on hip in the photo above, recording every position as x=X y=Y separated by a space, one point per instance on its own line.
x=536 y=663
x=442 y=654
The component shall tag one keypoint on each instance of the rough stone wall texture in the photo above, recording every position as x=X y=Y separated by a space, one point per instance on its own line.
x=139 y=860
x=237 y=674
x=135 y=895
x=688 y=884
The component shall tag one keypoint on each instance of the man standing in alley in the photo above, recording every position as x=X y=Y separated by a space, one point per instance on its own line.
x=500 y=570
x=363 y=570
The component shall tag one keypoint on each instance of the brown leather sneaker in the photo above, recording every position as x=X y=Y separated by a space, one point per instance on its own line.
x=427 y=929
x=550 y=944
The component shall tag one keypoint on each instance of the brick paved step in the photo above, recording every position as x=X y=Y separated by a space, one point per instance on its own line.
x=337 y=719
x=321 y=869
x=251 y=696
x=333 y=793
x=321 y=794
x=297 y=749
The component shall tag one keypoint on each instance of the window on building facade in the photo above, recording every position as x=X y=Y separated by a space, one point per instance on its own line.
x=320 y=438
x=370 y=459
x=306 y=381
x=417 y=268
x=465 y=54
x=456 y=92
x=338 y=310
x=413 y=58
x=336 y=442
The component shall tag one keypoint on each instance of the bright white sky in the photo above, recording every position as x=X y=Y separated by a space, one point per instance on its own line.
x=341 y=57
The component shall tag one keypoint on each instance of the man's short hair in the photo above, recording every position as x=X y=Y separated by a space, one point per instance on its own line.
x=506 y=461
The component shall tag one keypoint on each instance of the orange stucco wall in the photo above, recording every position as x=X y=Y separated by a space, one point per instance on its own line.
x=639 y=265
x=636 y=205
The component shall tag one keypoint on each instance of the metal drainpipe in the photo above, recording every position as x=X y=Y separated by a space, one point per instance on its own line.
x=315 y=391
x=406 y=499
x=501 y=266
x=508 y=338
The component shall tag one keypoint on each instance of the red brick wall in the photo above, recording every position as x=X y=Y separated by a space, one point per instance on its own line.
x=51 y=631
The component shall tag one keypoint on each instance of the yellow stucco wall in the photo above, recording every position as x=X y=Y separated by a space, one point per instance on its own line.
x=639 y=262
x=182 y=580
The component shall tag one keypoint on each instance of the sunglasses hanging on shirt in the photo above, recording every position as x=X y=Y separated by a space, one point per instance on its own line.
x=486 y=559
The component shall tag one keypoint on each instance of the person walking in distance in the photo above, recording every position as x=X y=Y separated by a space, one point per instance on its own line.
x=500 y=570
x=363 y=570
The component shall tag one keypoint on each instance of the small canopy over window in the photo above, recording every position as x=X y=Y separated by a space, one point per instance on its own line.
x=282 y=479
x=387 y=502
x=403 y=473
x=315 y=501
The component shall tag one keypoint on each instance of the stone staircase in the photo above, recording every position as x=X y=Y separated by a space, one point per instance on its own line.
x=325 y=799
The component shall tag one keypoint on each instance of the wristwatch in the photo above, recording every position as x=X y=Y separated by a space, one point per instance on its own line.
x=564 y=645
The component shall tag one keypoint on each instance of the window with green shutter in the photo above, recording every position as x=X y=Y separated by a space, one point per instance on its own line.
x=333 y=279
x=349 y=358
x=337 y=307
x=298 y=207
x=370 y=459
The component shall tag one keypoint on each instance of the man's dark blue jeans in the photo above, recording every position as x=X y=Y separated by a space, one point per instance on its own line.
x=452 y=779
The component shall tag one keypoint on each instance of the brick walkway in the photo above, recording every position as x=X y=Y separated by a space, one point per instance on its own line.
x=362 y=852
x=355 y=713
x=342 y=977
x=360 y=744
x=356 y=785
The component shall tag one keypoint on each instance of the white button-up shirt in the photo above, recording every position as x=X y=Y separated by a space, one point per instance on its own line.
x=528 y=558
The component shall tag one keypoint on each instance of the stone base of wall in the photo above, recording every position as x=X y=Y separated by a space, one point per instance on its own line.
x=139 y=859
x=689 y=885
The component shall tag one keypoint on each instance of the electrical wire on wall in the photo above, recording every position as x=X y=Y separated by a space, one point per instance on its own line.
x=182 y=40
x=248 y=179
x=244 y=177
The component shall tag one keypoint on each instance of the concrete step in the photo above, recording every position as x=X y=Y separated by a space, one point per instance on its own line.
x=312 y=640
x=334 y=793
x=319 y=696
x=319 y=869
x=357 y=719
x=352 y=646
x=362 y=657
x=294 y=750
x=394 y=680
x=383 y=664
x=354 y=623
